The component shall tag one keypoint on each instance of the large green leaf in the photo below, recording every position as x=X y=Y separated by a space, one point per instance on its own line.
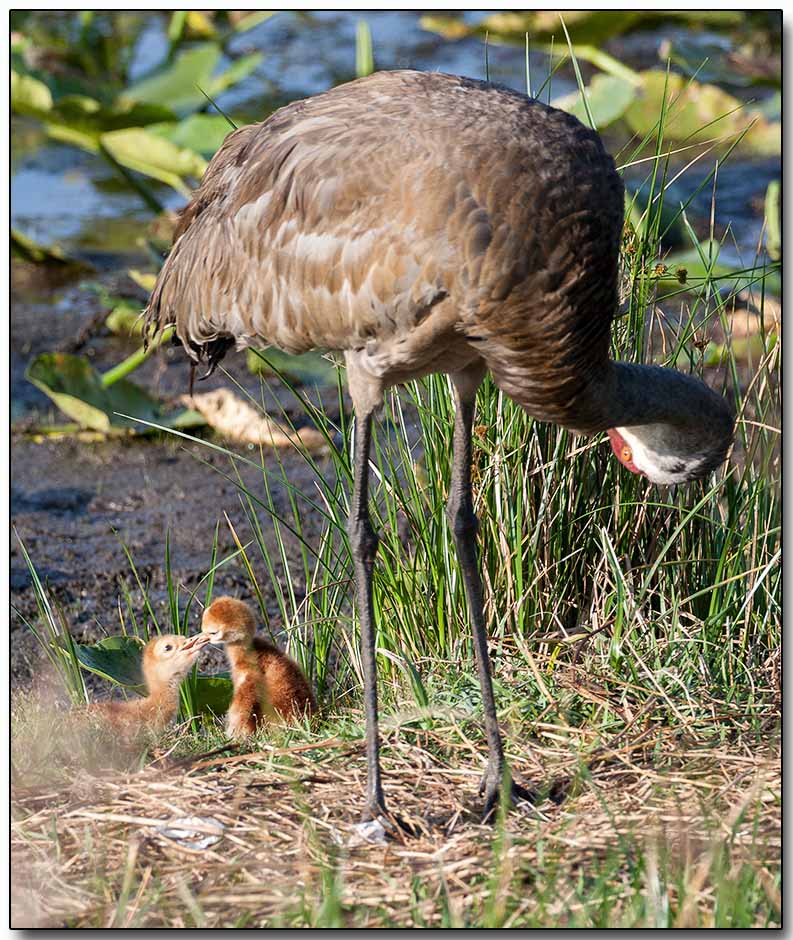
x=117 y=658
x=131 y=114
x=201 y=133
x=212 y=694
x=608 y=97
x=183 y=83
x=29 y=95
x=310 y=368
x=241 y=68
x=87 y=115
x=25 y=248
x=138 y=149
x=77 y=389
x=688 y=267
x=699 y=113
x=125 y=319
x=81 y=118
x=585 y=27
x=178 y=83
x=590 y=27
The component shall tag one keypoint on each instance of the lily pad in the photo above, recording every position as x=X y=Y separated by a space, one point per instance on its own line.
x=81 y=120
x=586 y=27
x=590 y=27
x=180 y=84
x=29 y=95
x=201 y=133
x=687 y=267
x=750 y=349
x=177 y=83
x=310 y=368
x=143 y=279
x=212 y=694
x=138 y=149
x=608 y=97
x=31 y=251
x=125 y=320
x=77 y=389
x=698 y=113
x=117 y=658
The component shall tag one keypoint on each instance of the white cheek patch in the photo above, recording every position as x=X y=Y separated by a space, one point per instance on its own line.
x=641 y=457
x=651 y=463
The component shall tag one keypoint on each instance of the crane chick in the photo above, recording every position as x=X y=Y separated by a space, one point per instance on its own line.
x=268 y=685
x=166 y=661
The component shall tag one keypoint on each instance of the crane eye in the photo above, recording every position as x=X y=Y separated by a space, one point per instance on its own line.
x=627 y=454
x=168 y=647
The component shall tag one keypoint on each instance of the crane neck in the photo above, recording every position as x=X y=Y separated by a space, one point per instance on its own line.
x=635 y=395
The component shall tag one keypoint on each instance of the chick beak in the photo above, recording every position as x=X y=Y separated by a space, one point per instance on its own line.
x=195 y=643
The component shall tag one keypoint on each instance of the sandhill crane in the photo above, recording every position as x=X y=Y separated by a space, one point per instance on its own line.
x=166 y=661
x=419 y=223
x=267 y=683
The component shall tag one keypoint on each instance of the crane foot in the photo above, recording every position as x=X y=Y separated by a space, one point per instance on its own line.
x=392 y=825
x=493 y=787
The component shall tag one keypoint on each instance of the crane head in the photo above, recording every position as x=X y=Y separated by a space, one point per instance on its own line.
x=228 y=620
x=168 y=658
x=669 y=453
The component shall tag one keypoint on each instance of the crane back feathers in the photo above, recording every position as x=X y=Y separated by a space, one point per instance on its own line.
x=417 y=221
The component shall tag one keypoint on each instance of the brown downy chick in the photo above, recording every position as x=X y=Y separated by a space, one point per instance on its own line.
x=267 y=683
x=166 y=661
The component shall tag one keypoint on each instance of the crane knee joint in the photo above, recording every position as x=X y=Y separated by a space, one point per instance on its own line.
x=363 y=540
x=463 y=521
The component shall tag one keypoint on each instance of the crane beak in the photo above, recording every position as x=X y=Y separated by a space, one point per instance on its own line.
x=195 y=643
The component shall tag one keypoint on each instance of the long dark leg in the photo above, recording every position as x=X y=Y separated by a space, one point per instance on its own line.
x=465 y=527
x=363 y=545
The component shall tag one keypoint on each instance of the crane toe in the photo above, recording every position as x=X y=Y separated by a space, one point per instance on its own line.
x=493 y=787
x=392 y=825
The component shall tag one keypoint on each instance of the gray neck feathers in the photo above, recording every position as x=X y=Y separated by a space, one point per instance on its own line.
x=636 y=395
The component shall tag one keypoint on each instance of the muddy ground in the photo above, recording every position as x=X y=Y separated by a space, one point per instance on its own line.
x=74 y=502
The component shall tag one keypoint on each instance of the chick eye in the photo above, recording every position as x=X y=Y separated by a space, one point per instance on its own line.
x=168 y=647
x=627 y=454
